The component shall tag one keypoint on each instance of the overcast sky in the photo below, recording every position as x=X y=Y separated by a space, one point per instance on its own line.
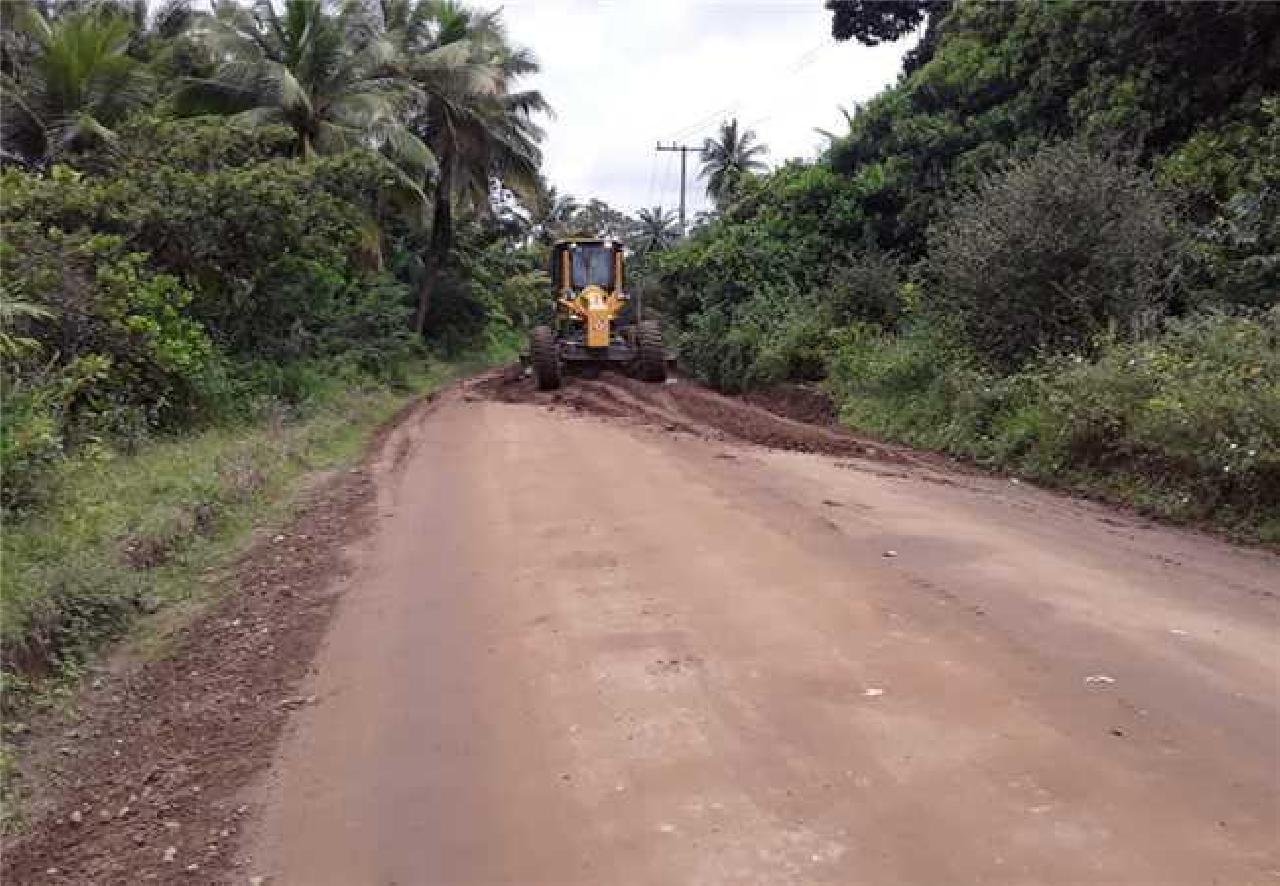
x=623 y=74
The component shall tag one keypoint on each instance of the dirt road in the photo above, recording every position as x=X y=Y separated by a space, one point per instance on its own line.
x=584 y=645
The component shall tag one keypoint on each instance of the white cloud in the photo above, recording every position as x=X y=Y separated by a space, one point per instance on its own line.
x=622 y=75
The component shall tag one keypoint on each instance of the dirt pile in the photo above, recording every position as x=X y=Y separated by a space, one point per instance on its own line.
x=785 y=417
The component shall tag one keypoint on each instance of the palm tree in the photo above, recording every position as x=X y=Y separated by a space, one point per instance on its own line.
x=294 y=63
x=160 y=35
x=463 y=69
x=67 y=81
x=702 y=219
x=656 y=229
x=728 y=159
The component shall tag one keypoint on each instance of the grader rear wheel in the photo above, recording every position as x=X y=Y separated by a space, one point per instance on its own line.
x=545 y=357
x=652 y=356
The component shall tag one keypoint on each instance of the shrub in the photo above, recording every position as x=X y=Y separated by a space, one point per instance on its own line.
x=118 y=355
x=1195 y=412
x=745 y=322
x=920 y=385
x=30 y=442
x=774 y=336
x=868 y=289
x=488 y=295
x=1051 y=252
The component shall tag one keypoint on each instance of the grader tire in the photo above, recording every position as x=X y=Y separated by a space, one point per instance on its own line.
x=545 y=357
x=652 y=356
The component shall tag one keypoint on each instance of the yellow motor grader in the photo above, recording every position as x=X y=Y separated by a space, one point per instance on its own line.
x=595 y=323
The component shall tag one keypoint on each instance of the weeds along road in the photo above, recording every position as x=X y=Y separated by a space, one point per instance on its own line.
x=589 y=642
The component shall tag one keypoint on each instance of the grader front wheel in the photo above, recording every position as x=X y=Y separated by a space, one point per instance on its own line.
x=545 y=357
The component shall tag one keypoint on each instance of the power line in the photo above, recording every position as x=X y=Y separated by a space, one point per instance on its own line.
x=703 y=121
x=800 y=63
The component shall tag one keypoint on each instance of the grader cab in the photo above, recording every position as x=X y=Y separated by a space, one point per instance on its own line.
x=595 y=324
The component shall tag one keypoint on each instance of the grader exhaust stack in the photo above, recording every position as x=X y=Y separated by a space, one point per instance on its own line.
x=595 y=323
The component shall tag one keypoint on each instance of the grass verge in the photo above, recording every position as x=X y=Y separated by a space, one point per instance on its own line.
x=126 y=540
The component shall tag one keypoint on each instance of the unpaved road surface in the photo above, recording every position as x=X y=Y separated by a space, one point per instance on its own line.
x=598 y=638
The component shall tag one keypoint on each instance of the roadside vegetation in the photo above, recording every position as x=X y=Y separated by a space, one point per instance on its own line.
x=1052 y=248
x=233 y=240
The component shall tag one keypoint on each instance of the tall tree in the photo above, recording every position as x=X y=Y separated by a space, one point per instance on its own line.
x=598 y=219
x=728 y=158
x=873 y=21
x=835 y=137
x=479 y=126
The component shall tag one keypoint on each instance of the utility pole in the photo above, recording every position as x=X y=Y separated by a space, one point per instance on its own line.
x=684 y=153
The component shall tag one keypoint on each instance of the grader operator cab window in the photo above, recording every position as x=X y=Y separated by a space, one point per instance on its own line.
x=592 y=265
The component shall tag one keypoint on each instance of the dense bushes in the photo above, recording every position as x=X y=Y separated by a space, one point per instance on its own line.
x=1005 y=78
x=234 y=234
x=1033 y=337
x=199 y=269
x=105 y=305
x=118 y=355
x=165 y=285
x=769 y=337
x=1185 y=424
x=773 y=336
x=489 y=296
x=1229 y=177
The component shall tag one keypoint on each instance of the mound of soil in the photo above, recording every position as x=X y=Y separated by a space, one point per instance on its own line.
x=790 y=417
